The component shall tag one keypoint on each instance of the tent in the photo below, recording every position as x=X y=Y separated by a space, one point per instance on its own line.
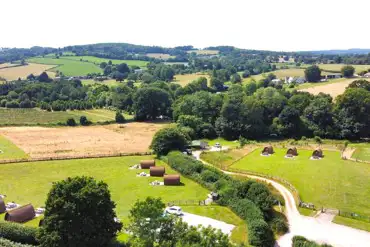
x=21 y=214
x=157 y=171
x=172 y=179
x=146 y=164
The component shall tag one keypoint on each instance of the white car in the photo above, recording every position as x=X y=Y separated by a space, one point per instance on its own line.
x=217 y=145
x=174 y=210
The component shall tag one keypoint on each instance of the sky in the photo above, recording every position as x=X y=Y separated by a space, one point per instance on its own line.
x=280 y=25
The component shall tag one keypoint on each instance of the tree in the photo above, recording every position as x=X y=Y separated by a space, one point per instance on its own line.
x=123 y=68
x=313 y=73
x=167 y=139
x=107 y=70
x=250 y=88
x=79 y=212
x=31 y=77
x=103 y=65
x=71 y=122
x=43 y=77
x=235 y=78
x=119 y=117
x=246 y=74
x=365 y=84
x=151 y=102
x=288 y=123
x=84 y=121
x=348 y=71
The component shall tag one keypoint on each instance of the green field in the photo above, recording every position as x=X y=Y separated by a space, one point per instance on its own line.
x=10 y=151
x=184 y=80
x=330 y=182
x=352 y=223
x=68 y=66
x=98 y=60
x=36 y=116
x=362 y=152
x=338 y=67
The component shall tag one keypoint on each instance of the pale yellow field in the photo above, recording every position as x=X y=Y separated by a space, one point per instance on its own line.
x=337 y=87
x=23 y=71
x=162 y=56
x=205 y=52
x=184 y=80
x=338 y=67
x=4 y=65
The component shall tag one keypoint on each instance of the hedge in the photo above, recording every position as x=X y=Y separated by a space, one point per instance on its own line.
x=250 y=200
x=7 y=243
x=18 y=233
x=299 y=241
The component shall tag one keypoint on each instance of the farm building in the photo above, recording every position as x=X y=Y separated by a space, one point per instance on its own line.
x=21 y=214
x=171 y=179
x=157 y=171
x=267 y=150
x=199 y=144
x=317 y=153
x=292 y=151
x=2 y=206
x=334 y=76
x=146 y=164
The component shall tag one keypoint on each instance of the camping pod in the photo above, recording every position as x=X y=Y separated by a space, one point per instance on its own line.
x=292 y=151
x=268 y=150
x=146 y=164
x=157 y=171
x=172 y=179
x=2 y=206
x=317 y=153
x=21 y=214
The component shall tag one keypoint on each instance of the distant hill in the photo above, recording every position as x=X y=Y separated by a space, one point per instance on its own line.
x=341 y=52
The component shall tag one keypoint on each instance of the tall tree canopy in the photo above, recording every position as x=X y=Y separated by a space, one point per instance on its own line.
x=313 y=73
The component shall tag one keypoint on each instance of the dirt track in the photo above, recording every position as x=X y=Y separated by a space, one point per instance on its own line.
x=41 y=142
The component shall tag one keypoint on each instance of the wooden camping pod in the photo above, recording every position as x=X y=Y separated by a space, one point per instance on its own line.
x=146 y=164
x=173 y=179
x=268 y=150
x=317 y=153
x=21 y=214
x=157 y=171
x=2 y=206
x=292 y=151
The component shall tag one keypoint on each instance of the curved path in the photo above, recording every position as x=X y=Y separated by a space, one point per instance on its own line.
x=314 y=229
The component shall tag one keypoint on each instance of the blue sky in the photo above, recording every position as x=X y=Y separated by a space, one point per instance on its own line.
x=260 y=24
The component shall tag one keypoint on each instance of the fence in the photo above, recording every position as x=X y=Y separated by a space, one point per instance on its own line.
x=90 y=156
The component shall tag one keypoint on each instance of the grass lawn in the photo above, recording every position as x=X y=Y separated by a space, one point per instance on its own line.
x=362 y=151
x=223 y=159
x=352 y=223
x=240 y=232
x=36 y=116
x=8 y=150
x=330 y=182
x=223 y=142
x=184 y=80
x=98 y=60
x=67 y=66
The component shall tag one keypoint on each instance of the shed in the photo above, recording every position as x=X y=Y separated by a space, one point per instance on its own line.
x=157 y=171
x=199 y=144
x=173 y=179
x=2 y=206
x=292 y=151
x=317 y=153
x=146 y=164
x=21 y=214
x=268 y=150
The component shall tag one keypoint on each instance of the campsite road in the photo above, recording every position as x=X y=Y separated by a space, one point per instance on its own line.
x=311 y=228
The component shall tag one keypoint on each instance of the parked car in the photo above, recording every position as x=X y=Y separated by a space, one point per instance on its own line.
x=217 y=145
x=174 y=210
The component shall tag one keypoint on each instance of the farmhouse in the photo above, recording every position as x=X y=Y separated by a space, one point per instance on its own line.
x=2 y=206
x=21 y=214
x=146 y=164
x=171 y=179
x=157 y=171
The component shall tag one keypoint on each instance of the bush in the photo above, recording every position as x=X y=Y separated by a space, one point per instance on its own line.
x=317 y=139
x=84 y=121
x=7 y=243
x=12 y=104
x=71 y=122
x=260 y=234
x=279 y=226
x=119 y=117
x=3 y=103
x=299 y=241
x=18 y=233
x=167 y=139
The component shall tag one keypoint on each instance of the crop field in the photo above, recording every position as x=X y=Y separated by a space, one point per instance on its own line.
x=68 y=66
x=338 y=67
x=98 y=60
x=39 y=142
x=184 y=80
x=204 y=52
x=162 y=56
x=282 y=73
x=362 y=152
x=36 y=116
x=330 y=182
x=23 y=71
x=332 y=87
x=10 y=151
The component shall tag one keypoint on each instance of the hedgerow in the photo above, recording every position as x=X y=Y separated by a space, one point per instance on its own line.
x=299 y=241
x=18 y=233
x=7 y=243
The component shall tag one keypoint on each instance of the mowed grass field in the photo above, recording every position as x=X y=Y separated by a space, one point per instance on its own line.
x=98 y=60
x=36 y=116
x=330 y=182
x=362 y=152
x=184 y=80
x=22 y=72
x=10 y=151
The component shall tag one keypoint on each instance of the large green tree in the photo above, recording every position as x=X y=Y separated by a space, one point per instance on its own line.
x=167 y=139
x=79 y=212
x=313 y=73
x=348 y=71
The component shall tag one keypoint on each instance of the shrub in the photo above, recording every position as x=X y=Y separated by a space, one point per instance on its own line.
x=119 y=117
x=7 y=243
x=12 y=104
x=317 y=139
x=18 y=233
x=167 y=139
x=279 y=226
x=260 y=234
x=3 y=103
x=299 y=241
x=71 y=122
x=84 y=121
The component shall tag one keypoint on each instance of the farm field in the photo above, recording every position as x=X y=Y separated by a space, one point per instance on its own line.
x=36 y=116
x=332 y=87
x=22 y=72
x=362 y=152
x=40 y=142
x=352 y=223
x=338 y=67
x=98 y=60
x=67 y=66
x=162 y=56
x=281 y=73
x=10 y=151
x=184 y=80
x=205 y=52
x=330 y=182
x=4 y=65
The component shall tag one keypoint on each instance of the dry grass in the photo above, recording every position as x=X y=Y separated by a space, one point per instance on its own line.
x=205 y=52
x=23 y=71
x=184 y=80
x=4 y=65
x=334 y=89
x=338 y=67
x=82 y=141
x=163 y=56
